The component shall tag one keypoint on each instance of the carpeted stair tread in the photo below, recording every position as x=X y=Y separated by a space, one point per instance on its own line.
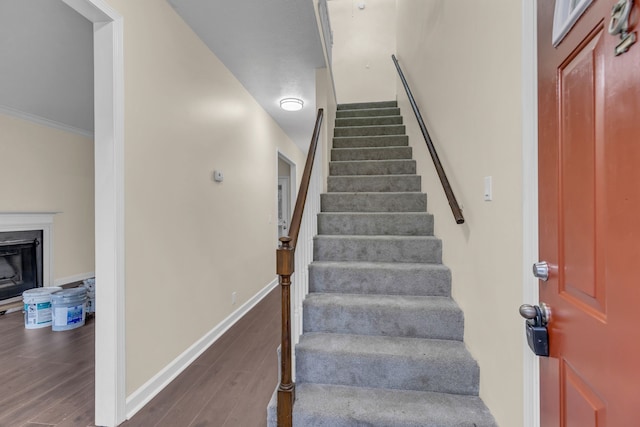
x=376 y=223
x=373 y=202
x=388 y=278
x=369 y=130
x=371 y=141
x=368 y=112
x=323 y=405
x=377 y=248
x=367 y=105
x=371 y=153
x=368 y=121
x=390 y=315
x=444 y=366
x=372 y=183
x=372 y=167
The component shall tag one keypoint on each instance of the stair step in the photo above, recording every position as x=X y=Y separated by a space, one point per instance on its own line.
x=392 y=278
x=367 y=105
x=373 y=202
x=389 y=315
x=323 y=405
x=376 y=223
x=368 y=121
x=371 y=141
x=368 y=112
x=372 y=167
x=443 y=366
x=369 y=130
x=378 y=248
x=370 y=183
x=371 y=153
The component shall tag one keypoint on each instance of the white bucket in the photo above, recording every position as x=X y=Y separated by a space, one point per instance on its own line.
x=37 y=306
x=90 y=285
x=68 y=308
x=91 y=302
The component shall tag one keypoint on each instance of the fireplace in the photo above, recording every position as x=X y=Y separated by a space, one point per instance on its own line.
x=26 y=248
x=20 y=262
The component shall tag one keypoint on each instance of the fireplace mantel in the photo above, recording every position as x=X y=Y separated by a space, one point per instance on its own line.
x=24 y=221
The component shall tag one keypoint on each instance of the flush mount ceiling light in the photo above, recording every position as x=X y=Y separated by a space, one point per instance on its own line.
x=291 y=104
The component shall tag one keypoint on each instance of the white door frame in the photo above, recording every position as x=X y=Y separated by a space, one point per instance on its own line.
x=285 y=181
x=293 y=182
x=531 y=366
x=110 y=393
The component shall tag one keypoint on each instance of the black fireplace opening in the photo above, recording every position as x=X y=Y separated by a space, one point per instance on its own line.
x=20 y=262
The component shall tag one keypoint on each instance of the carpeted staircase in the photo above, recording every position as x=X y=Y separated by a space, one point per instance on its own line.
x=382 y=342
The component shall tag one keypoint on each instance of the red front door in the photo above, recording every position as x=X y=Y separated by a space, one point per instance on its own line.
x=589 y=199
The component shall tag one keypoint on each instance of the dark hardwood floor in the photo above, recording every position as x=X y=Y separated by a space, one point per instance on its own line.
x=47 y=377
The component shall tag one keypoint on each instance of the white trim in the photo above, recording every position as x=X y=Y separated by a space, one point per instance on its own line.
x=110 y=361
x=565 y=16
x=151 y=388
x=25 y=221
x=531 y=367
x=293 y=180
x=72 y=279
x=34 y=118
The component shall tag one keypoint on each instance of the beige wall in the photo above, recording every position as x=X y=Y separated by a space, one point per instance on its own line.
x=363 y=41
x=49 y=170
x=465 y=73
x=190 y=242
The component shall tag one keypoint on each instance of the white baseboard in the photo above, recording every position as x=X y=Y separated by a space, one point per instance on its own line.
x=75 y=278
x=157 y=383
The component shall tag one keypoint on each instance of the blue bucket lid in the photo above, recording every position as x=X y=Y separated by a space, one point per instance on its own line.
x=69 y=294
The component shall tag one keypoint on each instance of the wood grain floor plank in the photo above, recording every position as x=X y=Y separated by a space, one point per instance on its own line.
x=251 y=408
x=66 y=406
x=216 y=412
x=36 y=425
x=53 y=399
x=42 y=370
x=82 y=417
x=162 y=404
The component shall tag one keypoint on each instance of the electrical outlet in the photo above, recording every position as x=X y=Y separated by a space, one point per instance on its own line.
x=234 y=296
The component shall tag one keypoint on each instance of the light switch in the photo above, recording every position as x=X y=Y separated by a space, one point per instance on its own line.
x=488 y=189
x=218 y=176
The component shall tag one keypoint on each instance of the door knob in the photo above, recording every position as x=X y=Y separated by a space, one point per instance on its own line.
x=529 y=311
x=541 y=270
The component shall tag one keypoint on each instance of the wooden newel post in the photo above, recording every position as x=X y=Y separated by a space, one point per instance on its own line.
x=286 y=389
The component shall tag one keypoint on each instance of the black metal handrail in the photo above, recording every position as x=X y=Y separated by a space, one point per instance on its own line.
x=448 y=191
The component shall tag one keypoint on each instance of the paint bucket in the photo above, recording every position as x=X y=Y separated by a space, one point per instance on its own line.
x=68 y=308
x=37 y=306
x=90 y=285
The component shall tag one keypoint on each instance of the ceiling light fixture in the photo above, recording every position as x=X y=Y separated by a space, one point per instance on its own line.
x=291 y=104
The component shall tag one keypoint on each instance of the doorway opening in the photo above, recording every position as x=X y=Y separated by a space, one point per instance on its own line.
x=286 y=193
